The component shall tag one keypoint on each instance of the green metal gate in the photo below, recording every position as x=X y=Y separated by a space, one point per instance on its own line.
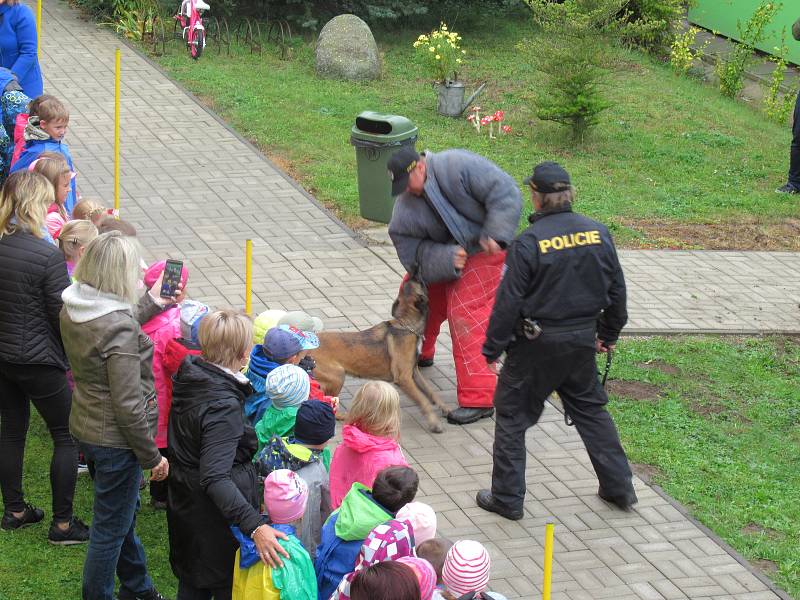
x=722 y=16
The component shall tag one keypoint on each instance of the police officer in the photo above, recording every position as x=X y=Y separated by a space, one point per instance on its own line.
x=561 y=300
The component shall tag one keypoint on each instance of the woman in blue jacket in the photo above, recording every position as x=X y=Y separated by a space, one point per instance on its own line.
x=18 y=45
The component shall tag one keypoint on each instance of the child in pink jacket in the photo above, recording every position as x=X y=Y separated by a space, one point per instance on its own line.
x=162 y=329
x=369 y=439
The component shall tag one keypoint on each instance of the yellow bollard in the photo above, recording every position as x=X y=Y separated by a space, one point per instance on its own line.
x=38 y=28
x=117 y=79
x=548 y=561
x=248 y=277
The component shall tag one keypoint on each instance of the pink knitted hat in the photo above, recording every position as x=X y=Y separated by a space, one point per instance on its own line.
x=426 y=574
x=154 y=271
x=285 y=496
x=422 y=518
x=466 y=568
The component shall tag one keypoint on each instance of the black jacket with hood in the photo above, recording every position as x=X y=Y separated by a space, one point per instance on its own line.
x=213 y=483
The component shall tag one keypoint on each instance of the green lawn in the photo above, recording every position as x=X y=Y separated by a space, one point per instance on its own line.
x=722 y=436
x=672 y=152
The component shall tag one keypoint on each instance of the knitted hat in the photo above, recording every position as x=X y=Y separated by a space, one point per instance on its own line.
x=308 y=340
x=388 y=541
x=315 y=423
x=280 y=344
x=302 y=321
x=466 y=568
x=391 y=540
x=155 y=270
x=422 y=518
x=264 y=322
x=287 y=385
x=426 y=575
x=285 y=496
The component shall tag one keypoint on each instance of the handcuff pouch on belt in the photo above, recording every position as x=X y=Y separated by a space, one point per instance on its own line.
x=530 y=328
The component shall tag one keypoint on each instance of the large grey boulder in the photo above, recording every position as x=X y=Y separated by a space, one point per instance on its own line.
x=346 y=49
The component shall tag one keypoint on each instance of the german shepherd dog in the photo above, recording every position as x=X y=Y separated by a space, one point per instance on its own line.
x=388 y=351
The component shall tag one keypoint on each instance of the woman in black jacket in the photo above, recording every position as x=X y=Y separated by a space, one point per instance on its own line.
x=32 y=362
x=212 y=482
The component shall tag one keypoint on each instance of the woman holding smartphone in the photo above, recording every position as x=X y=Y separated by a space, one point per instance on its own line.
x=114 y=409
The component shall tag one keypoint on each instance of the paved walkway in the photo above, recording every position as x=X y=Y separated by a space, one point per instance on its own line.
x=197 y=191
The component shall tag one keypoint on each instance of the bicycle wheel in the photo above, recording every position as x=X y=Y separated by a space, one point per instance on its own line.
x=198 y=43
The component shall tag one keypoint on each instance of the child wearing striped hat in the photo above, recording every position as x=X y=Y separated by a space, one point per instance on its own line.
x=286 y=388
x=466 y=572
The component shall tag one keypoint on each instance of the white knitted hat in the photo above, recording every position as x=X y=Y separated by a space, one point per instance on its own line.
x=466 y=568
x=422 y=518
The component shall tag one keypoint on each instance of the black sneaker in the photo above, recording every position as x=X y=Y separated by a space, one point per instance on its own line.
x=424 y=363
x=787 y=189
x=30 y=516
x=76 y=533
x=152 y=594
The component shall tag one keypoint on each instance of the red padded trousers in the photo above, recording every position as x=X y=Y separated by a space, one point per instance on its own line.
x=467 y=304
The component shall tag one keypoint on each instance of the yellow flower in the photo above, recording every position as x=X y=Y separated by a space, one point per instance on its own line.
x=458 y=60
x=463 y=52
x=438 y=57
x=432 y=49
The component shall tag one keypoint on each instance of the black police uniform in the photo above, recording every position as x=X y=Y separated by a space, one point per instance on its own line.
x=563 y=272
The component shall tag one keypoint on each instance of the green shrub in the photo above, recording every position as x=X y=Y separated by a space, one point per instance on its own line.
x=572 y=52
x=778 y=105
x=652 y=24
x=683 y=54
x=730 y=69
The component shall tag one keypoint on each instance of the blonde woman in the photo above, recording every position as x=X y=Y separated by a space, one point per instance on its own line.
x=213 y=483
x=32 y=362
x=370 y=439
x=75 y=236
x=114 y=409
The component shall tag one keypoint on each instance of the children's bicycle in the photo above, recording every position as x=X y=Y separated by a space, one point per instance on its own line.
x=190 y=18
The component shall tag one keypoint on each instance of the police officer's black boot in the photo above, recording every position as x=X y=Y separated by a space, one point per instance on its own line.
x=624 y=502
x=486 y=501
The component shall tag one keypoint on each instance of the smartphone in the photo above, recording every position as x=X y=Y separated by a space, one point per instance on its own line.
x=172 y=277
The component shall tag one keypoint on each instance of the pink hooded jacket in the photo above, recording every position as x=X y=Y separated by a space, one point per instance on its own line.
x=162 y=328
x=360 y=457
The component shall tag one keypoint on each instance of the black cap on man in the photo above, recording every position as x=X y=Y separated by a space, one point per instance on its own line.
x=400 y=164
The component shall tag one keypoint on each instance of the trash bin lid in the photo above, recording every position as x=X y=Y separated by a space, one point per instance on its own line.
x=378 y=127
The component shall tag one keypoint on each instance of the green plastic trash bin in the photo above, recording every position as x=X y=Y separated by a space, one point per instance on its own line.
x=376 y=137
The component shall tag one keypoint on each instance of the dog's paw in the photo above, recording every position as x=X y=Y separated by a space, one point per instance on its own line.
x=436 y=427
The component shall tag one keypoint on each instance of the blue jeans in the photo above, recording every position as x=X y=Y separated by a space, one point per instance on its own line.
x=113 y=543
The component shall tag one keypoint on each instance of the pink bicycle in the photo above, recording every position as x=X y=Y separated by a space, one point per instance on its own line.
x=190 y=18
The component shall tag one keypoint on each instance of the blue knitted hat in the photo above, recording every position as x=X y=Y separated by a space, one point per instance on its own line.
x=286 y=386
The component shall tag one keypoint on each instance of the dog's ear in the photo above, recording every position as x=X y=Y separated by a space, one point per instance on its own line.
x=415 y=274
x=394 y=308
